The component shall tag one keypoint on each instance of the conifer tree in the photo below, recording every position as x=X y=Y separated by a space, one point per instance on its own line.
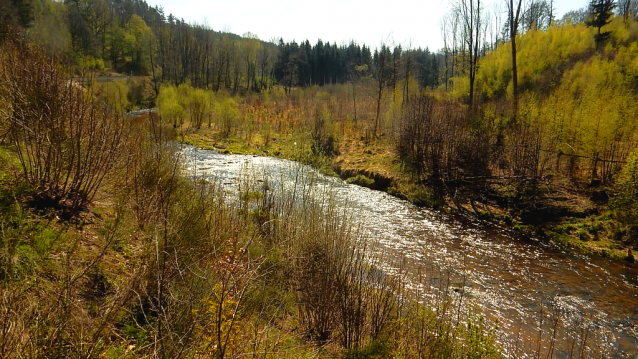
x=601 y=12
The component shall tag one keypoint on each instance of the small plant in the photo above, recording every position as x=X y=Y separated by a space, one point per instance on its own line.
x=44 y=240
x=324 y=142
x=251 y=196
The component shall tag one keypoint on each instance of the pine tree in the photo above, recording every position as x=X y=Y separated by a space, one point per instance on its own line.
x=601 y=13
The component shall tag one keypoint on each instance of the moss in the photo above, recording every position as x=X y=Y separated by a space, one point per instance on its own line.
x=485 y=216
x=360 y=180
x=527 y=229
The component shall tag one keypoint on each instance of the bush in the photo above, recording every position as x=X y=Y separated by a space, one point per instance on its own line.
x=324 y=142
x=67 y=140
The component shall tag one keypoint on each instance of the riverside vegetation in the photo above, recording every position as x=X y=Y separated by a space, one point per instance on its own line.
x=108 y=250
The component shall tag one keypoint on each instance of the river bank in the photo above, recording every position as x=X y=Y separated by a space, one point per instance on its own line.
x=509 y=278
x=574 y=215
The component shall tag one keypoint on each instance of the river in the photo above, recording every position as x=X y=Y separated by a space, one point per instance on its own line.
x=514 y=281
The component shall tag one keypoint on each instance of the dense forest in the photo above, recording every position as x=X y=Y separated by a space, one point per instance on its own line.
x=109 y=249
x=132 y=37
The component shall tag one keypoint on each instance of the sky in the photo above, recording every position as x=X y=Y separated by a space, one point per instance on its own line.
x=407 y=22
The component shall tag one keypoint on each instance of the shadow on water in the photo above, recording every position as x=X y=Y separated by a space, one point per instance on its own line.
x=544 y=299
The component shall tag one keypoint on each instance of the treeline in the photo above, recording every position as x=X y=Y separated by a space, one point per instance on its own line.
x=323 y=64
x=132 y=37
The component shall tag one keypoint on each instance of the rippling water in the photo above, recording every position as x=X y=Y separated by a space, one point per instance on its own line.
x=516 y=282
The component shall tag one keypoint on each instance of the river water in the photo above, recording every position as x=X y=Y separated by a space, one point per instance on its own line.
x=524 y=286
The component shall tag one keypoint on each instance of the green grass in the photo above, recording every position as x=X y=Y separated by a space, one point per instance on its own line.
x=595 y=234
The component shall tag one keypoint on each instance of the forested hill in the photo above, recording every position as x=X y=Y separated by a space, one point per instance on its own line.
x=577 y=98
x=133 y=37
x=128 y=36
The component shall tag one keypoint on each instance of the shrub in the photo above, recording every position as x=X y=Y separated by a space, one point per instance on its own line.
x=66 y=139
x=625 y=204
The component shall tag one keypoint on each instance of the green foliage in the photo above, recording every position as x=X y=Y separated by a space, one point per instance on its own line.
x=114 y=92
x=169 y=105
x=480 y=343
x=539 y=55
x=196 y=103
x=574 y=101
x=23 y=238
x=88 y=62
x=137 y=39
x=226 y=114
x=44 y=239
x=141 y=92
x=376 y=349
x=324 y=140
x=251 y=196
x=50 y=28
x=626 y=202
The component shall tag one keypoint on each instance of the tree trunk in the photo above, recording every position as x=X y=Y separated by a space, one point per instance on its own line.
x=514 y=18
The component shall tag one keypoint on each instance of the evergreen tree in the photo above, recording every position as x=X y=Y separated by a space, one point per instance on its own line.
x=13 y=14
x=601 y=12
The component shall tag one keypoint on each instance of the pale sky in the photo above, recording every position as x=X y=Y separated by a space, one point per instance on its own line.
x=369 y=22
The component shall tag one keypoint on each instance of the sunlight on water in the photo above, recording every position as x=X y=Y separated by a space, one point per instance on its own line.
x=521 y=283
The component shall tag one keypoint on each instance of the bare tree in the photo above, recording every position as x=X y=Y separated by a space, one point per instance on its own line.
x=575 y=16
x=472 y=23
x=628 y=9
x=445 y=26
x=537 y=15
x=67 y=142
x=495 y=28
x=383 y=75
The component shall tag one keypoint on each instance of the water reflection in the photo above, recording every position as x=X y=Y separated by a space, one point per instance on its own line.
x=523 y=284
